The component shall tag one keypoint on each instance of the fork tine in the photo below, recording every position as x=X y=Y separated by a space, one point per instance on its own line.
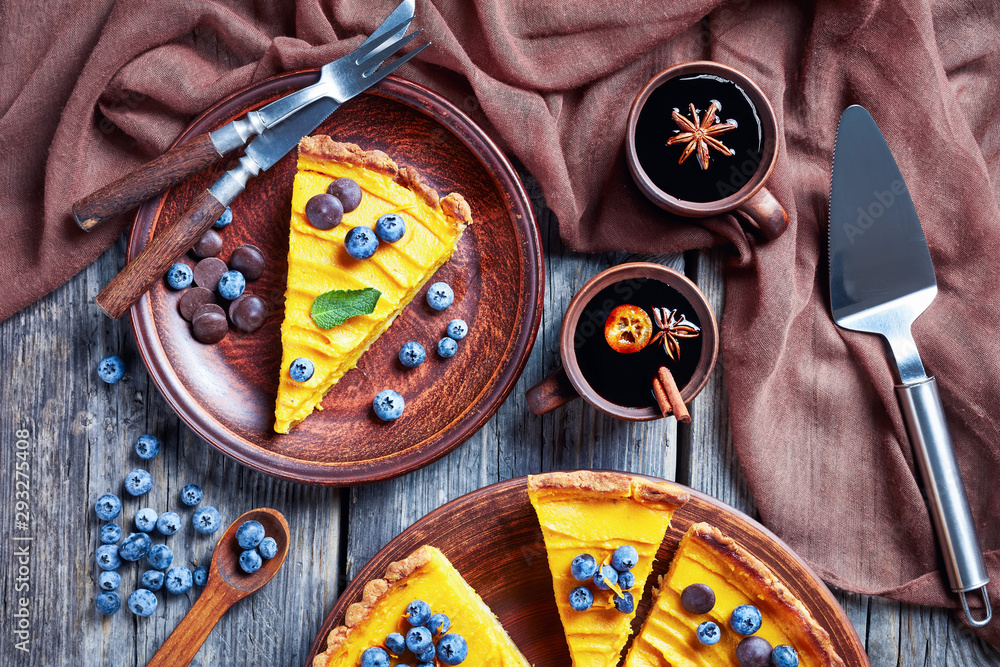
x=372 y=62
x=370 y=46
x=390 y=68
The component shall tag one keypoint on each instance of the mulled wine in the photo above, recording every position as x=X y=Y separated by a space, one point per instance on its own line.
x=626 y=379
x=699 y=137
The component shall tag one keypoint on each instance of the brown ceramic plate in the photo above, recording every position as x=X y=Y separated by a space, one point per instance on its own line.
x=226 y=392
x=492 y=537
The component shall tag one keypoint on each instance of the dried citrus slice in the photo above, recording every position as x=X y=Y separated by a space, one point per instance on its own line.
x=628 y=328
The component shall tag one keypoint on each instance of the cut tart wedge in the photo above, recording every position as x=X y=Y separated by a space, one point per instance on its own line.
x=595 y=513
x=319 y=263
x=706 y=556
x=428 y=576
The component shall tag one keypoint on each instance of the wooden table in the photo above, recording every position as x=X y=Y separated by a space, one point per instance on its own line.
x=80 y=434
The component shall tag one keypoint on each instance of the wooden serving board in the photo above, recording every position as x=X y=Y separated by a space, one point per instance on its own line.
x=492 y=537
x=226 y=392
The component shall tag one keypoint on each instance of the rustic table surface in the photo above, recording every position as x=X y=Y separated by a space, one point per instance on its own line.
x=76 y=434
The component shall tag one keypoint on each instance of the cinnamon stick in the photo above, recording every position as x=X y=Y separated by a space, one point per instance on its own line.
x=673 y=395
x=661 y=398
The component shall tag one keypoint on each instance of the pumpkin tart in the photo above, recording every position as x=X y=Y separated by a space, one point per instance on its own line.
x=588 y=512
x=426 y=575
x=706 y=556
x=319 y=263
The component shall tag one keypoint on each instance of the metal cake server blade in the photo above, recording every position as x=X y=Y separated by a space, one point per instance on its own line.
x=881 y=280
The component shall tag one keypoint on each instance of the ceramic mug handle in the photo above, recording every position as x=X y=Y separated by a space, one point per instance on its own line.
x=766 y=214
x=550 y=393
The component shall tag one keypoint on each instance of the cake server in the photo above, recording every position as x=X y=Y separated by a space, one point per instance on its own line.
x=262 y=153
x=192 y=156
x=881 y=280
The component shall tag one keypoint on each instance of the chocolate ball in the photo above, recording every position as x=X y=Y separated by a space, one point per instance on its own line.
x=248 y=313
x=208 y=271
x=209 y=245
x=210 y=326
x=248 y=260
x=347 y=191
x=192 y=300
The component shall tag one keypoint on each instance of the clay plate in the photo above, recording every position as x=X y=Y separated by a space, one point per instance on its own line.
x=226 y=392
x=507 y=565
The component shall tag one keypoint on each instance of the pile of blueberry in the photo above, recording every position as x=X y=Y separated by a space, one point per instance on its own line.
x=388 y=403
x=211 y=276
x=614 y=574
x=427 y=639
x=162 y=573
x=256 y=546
x=746 y=619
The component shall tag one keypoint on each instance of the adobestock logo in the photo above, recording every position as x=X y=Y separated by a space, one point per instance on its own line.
x=740 y=175
x=881 y=201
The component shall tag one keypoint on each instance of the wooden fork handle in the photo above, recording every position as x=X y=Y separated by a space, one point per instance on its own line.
x=145 y=182
x=186 y=639
x=166 y=247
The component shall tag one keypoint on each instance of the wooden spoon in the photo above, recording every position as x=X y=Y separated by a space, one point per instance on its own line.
x=227 y=583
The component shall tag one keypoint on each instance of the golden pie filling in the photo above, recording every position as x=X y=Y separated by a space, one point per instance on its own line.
x=425 y=575
x=706 y=556
x=318 y=263
x=594 y=513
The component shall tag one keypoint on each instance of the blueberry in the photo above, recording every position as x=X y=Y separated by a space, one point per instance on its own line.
x=753 y=652
x=625 y=603
x=224 y=219
x=395 y=643
x=784 y=655
x=231 y=285
x=301 y=369
x=206 y=520
x=390 y=227
x=268 y=548
x=412 y=354
x=160 y=557
x=583 y=567
x=417 y=613
x=440 y=296
x=111 y=533
x=388 y=405
x=108 y=603
x=145 y=520
x=111 y=369
x=452 y=649
x=107 y=557
x=746 y=619
x=424 y=664
x=142 y=602
x=249 y=534
x=153 y=579
x=147 y=446
x=439 y=624
x=457 y=329
x=250 y=561
x=698 y=599
x=200 y=576
x=108 y=507
x=361 y=242
x=180 y=276
x=109 y=581
x=418 y=639
x=135 y=546
x=624 y=558
x=178 y=579
x=138 y=482
x=168 y=523
x=626 y=580
x=375 y=657
x=191 y=494
x=709 y=633
x=427 y=655
x=605 y=576
x=581 y=599
x=447 y=347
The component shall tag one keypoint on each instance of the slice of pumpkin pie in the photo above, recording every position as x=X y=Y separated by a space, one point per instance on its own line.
x=337 y=305
x=601 y=532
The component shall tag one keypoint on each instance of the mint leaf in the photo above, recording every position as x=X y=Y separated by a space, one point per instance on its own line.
x=339 y=305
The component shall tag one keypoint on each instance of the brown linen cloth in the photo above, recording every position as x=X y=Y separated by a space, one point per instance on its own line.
x=92 y=89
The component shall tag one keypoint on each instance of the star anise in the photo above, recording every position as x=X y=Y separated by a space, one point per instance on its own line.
x=700 y=134
x=673 y=326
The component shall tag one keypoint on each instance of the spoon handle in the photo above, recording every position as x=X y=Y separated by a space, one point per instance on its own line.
x=186 y=639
